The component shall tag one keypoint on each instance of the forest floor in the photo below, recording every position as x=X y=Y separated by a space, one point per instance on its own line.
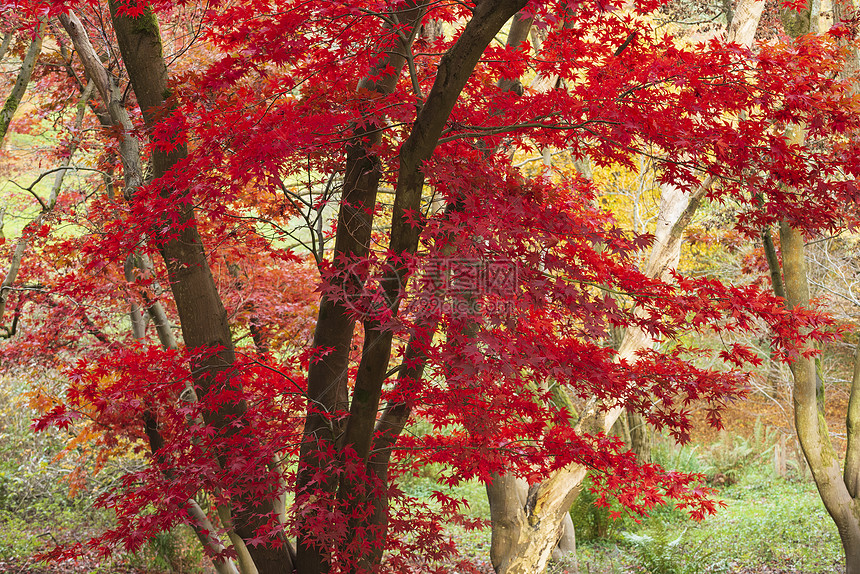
x=70 y=567
x=773 y=523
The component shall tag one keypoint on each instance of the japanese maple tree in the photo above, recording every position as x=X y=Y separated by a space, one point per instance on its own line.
x=453 y=286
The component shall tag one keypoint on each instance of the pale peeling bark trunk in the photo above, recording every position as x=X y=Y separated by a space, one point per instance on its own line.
x=506 y=493
x=567 y=543
x=532 y=530
x=20 y=87
x=508 y=497
x=745 y=21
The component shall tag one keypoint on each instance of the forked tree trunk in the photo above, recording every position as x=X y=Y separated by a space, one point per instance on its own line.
x=327 y=378
x=838 y=489
x=327 y=383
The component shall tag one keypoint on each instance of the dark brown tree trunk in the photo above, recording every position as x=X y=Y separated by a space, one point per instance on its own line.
x=203 y=319
x=328 y=378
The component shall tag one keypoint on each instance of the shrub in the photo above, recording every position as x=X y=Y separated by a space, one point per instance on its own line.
x=593 y=522
x=665 y=554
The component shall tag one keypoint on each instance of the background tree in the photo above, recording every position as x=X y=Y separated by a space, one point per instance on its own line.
x=28 y=62
x=837 y=486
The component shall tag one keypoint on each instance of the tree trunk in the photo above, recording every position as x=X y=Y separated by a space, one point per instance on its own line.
x=20 y=87
x=640 y=438
x=327 y=379
x=4 y=45
x=506 y=493
x=773 y=378
x=838 y=491
x=203 y=319
x=114 y=113
x=744 y=22
x=566 y=546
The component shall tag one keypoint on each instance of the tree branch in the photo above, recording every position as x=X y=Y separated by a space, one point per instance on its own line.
x=20 y=87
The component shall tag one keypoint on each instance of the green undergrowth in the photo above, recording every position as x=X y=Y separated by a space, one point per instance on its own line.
x=768 y=524
x=774 y=522
x=38 y=512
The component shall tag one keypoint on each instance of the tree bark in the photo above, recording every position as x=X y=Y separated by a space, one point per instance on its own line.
x=833 y=486
x=115 y=113
x=539 y=521
x=453 y=71
x=640 y=438
x=744 y=22
x=836 y=488
x=779 y=290
x=4 y=45
x=851 y=473
x=20 y=87
x=327 y=377
x=203 y=319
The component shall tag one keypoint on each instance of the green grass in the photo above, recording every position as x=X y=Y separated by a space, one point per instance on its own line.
x=770 y=521
x=16 y=538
